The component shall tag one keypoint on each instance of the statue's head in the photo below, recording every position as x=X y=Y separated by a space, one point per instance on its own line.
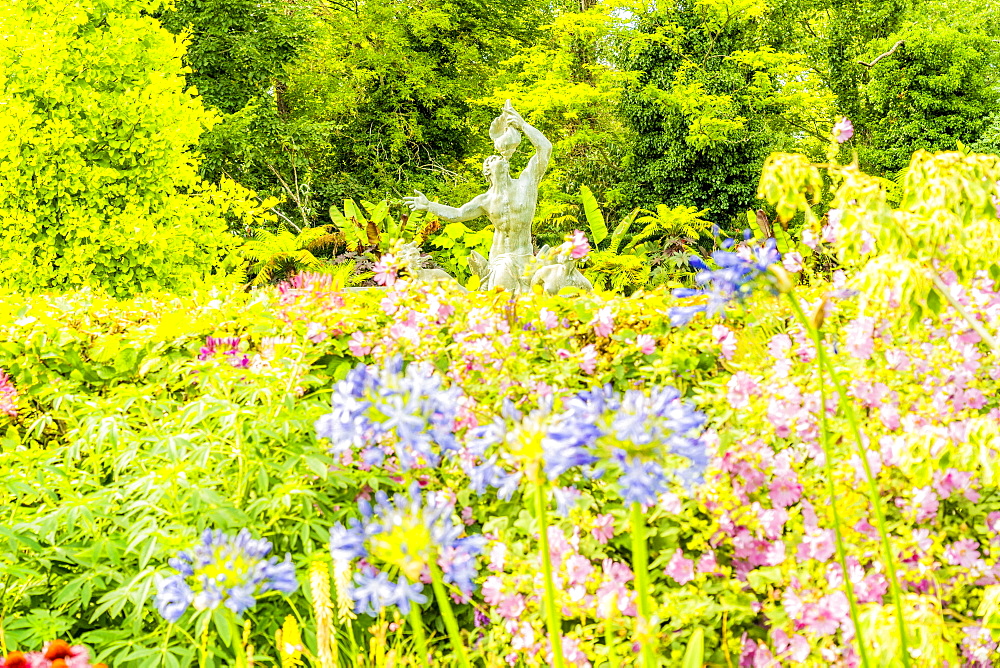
x=496 y=168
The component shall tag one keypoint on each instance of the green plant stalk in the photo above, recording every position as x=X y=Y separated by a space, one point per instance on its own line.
x=551 y=612
x=417 y=624
x=828 y=457
x=448 y=614
x=873 y=494
x=640 y=566
x=609 y=640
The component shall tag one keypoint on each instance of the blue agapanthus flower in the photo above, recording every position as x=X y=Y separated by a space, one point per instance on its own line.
x=409 y=409
x=735 y=279
x=403 y=535
x=632 y=433
x=223 y=570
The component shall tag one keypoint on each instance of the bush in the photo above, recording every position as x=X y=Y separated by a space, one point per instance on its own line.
x=97 y=182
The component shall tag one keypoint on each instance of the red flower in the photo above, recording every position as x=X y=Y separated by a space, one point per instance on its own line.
x=16 y=660
x=57 y=649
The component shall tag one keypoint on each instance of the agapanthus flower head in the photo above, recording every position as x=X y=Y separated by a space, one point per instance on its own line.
x=223 y=569
x=229 y=346
x=843 y=130
x=633 y=432
x=406 y=534
x=739 y=272
x=410 y=410
x=8 y=395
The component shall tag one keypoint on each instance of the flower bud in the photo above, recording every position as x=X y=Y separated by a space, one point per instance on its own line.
x=816 y=320
x=784 y=280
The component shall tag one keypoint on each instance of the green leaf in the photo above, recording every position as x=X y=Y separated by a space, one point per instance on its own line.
x=934 y=302
x=694 y=656
x=598 y=228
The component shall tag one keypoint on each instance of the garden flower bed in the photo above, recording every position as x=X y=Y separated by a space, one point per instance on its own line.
x=414 y=451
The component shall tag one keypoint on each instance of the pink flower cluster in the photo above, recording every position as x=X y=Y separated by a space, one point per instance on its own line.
x=8 y=395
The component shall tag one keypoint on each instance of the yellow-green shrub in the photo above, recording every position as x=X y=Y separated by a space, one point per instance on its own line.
x=97 y=182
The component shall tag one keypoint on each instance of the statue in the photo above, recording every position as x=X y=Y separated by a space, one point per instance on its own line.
x=510 y=205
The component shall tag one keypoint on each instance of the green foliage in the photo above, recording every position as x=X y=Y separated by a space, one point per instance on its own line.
x=935 y=92
x=274 y=256
x=238 y=48
x=897 y=248
x=377 y=230
x=711 y=103
x=97 y=184
x=627 y=262
x=457 y=241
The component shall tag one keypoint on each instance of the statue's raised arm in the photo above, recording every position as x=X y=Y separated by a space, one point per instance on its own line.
x=539 y=162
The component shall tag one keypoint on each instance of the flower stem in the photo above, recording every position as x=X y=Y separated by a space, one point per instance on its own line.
x=640 y=566
x=824 y=432
x=873 y=493
x=551 y=611
x=448 y=614
x=417 y=624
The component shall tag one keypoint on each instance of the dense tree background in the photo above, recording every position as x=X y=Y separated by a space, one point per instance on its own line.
x=680 y=104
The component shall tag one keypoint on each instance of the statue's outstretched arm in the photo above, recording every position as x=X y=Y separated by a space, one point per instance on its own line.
x=543 y=147
x=468 y=211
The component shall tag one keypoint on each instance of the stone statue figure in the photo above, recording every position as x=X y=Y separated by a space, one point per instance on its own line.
x=509 y=204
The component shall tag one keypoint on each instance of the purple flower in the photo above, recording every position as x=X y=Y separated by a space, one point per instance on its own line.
x=737 y=274
x=371 y=593
x=406 y=533
x=843 y=130
x=233 y=570
x=641 y=481
x=408 y=408
x=228 y=346
x=173 y=596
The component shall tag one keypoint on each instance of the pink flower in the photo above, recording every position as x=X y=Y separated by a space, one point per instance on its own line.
x=826 y=615
x=952 y=480
x=843 y=130
x=725 y=338
x=358 y=345
x=897 y=360
x=315 y=332
x=817 y=545
x=8 y=395
x=794 y=648
x=871 y=589
x=707 y=563
x=603 y=322
x=741 y=387
x=809 y=238
x=524 y=636
x=773 y=520
x=680 y=568
x=589 y=362
x=492 y=590
x=859 y=337
x=549 y=319
x=579 y=246
x=571 y=653
x=386 y=270
x=646 y=343
x=578 y=569
x=785 y=489
x=792 y=262
x=963 y=553
x=604 y=528
x=511 y=606
x=925 y=503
